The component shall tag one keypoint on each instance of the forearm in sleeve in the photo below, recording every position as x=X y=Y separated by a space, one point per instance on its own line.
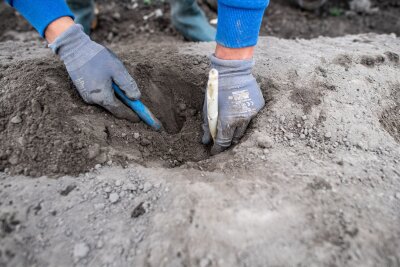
x=239 y=22
x=40 y=13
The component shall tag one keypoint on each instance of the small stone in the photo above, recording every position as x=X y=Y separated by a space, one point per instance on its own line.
x=360 y=145
x=158 y=13
x=21 y=140
x=16 y=119
x=264 y=141
x=182 y=106
x=36 y=107
x=114 y=197
x=191 y=112
x=99 y=244
x=312 y=143
x=302 y=136
x=145 y=142
x=397 y=195
x=136 y=135
x=298 y=125
x=102 y=158
x=282 y=119
x=110 y=36
x=147 y=187
x=328 y=135
x=13 y=160
x=118 y=183
x=291 y=143
x=335 y=144
x=93 y=151
x=108 y=189
x=81 y=250
x=304 y=117
x=97 y=166
x=116 y=16
x=290 y=136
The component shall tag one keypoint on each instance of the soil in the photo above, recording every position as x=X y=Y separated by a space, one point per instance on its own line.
x=53 y=120
x=315 y=181
x=123 y=21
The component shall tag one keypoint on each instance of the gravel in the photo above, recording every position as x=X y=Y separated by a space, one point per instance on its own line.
x=114 y=197
x=16 y=119
x=81 y=250
x=147 y=187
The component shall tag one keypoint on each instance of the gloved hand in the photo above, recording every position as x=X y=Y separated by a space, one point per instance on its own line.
x=92 y=69
x=239 y=100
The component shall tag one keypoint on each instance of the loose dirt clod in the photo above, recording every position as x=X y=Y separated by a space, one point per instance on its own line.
x=264 y=141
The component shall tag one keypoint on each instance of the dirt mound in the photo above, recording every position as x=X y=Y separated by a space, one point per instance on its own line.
x=316 y=175
x=47 y=129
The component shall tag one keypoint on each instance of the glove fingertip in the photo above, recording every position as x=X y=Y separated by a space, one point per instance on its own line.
x=126 y=83
x=133 y=94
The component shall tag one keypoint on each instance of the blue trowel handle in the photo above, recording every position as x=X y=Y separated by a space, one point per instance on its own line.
x=141 y=110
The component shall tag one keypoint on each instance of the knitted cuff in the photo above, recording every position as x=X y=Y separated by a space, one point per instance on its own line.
x=238 y=27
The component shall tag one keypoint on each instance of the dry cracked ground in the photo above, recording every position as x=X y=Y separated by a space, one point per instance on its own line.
x=315 y=181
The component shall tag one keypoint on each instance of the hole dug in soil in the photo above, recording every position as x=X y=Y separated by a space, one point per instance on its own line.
x=46 y=129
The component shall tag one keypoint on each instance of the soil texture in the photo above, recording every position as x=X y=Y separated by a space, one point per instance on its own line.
x=314 y=182
x=136 y=21
x=48 y=130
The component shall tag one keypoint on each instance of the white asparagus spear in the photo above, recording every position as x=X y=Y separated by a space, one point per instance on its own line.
x=212 y=102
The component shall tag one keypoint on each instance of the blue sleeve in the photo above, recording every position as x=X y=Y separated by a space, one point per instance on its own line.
x=239 y=22
x=40 y=13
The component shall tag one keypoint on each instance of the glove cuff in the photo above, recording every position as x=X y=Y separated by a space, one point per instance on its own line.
x=75 y=47
x=231 y=67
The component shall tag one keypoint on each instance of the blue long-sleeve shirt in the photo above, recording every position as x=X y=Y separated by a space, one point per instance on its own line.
x=239 y=21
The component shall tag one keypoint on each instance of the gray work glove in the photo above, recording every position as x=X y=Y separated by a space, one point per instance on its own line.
x=92 y=69
x=239 y=100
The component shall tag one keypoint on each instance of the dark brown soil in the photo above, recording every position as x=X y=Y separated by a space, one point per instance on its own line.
x=47 y=129
x=286 y=20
